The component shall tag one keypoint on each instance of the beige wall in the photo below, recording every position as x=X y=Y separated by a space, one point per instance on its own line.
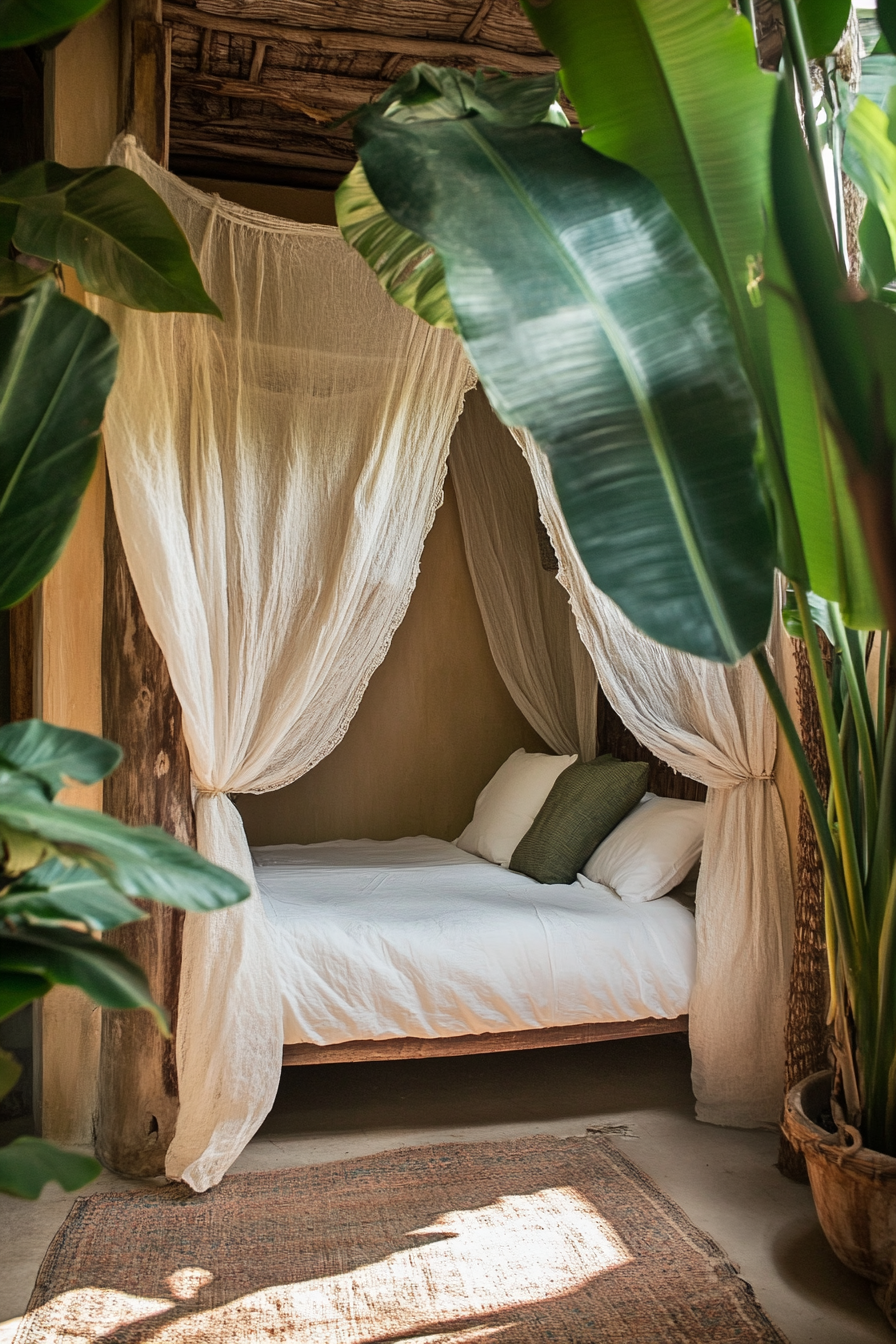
x=81 y=120
x=434 y=725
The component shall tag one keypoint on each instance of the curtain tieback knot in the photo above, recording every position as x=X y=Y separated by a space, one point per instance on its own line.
x=203 y=792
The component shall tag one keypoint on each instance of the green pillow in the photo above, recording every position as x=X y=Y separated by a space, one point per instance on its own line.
x=587 y=800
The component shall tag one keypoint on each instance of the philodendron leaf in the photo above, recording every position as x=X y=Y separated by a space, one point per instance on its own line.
x=65 y=957
x=408 y=268
x=57 y=364
x=28 y=1164
x=53 y=892
x=51 y=755
x=113 y=229
x=24 y=23
x=593 y=323
x=136 y=860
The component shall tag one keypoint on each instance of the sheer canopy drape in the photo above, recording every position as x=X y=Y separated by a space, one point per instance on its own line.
x=714 y=724
x=527 y=616
x=274 y=476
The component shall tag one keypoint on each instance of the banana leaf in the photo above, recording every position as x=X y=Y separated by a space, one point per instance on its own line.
x=592 y=322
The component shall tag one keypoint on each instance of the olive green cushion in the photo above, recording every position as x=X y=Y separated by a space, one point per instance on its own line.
x=587 y=800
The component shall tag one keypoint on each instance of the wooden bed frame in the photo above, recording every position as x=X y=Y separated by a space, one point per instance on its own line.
x=414 y=1047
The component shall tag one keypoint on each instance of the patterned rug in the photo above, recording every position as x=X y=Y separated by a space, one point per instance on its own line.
x=532 y=1240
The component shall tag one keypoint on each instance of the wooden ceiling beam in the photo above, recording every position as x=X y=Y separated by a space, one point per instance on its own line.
x=279 y=95
x=327 y=41
x=226 y=149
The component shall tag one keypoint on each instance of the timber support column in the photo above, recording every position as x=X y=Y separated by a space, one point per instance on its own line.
x=137 y=1094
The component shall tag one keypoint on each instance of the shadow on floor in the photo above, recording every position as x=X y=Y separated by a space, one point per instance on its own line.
x=523 y=1085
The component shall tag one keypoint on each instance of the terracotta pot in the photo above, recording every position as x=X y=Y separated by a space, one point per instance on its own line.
x=854 y=1190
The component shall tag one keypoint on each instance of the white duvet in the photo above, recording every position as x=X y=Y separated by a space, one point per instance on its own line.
x=414 y=937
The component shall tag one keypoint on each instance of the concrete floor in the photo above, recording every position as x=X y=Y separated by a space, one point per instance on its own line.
x=724 y=1179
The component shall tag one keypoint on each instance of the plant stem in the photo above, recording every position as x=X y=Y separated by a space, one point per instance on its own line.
x=801 y=69
x=883 y=657
x=861 y=712
x=813 y=798
x=849 y=860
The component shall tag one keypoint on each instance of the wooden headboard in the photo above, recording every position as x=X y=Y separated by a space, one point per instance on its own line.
x=612 y=735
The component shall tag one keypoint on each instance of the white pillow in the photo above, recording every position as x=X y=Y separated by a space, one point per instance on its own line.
x=509 y=803
x=651 y=850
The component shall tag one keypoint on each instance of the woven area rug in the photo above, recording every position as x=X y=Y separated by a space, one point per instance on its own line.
x=536 y=1239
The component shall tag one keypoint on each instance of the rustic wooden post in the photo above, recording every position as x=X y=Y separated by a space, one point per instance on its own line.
x=137 y=1093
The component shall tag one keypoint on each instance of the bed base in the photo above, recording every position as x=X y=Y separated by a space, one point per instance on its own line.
x=413 y=1047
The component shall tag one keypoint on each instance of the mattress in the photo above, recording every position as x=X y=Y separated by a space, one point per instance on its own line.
x=414 y=937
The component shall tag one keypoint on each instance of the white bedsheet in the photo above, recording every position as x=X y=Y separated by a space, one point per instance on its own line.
x=414 y=937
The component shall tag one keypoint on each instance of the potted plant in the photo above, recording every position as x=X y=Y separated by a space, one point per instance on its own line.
x=737 y=362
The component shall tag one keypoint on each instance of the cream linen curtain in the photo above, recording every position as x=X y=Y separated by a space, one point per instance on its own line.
x=274 y=476
x=715 y=725
x=527 y=616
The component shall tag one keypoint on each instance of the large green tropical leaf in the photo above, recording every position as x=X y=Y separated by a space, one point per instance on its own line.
x=672 y=87
x=846 y=335
x=117 y=233
x=28 y=1164
x=823 y=23
x=408 y=268
x=57 y=364
x=869 y=157
x=65 y=957
x=833 y=543
x=592 y=321
x=18 y=988
x=54 y=891
x=137 y=860
x=25 y=22
x=52 y=755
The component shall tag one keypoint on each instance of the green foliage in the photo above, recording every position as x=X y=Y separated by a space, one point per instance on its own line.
x=68 y=874
x=823 y=22
x=407 y=267
x=62 y=956
x=111 y=227
x=57 y=363
x=501 y=202
x=27 y=1164
x=26 y=22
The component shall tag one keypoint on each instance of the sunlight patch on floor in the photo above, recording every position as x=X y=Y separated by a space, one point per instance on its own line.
x=520 y=1250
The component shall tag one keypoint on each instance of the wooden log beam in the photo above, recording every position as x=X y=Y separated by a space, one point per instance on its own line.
x=326 y=41
x=278 y=94
x=137 y=1089
x=225 y=149
x=137 y=1107
x=486 y=1043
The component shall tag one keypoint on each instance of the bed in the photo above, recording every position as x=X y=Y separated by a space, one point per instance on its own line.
x=412 y=947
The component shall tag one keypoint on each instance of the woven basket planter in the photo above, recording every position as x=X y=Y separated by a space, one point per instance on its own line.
x=854 y=1190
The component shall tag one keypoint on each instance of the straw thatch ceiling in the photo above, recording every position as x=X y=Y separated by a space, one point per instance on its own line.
x=255 y=82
